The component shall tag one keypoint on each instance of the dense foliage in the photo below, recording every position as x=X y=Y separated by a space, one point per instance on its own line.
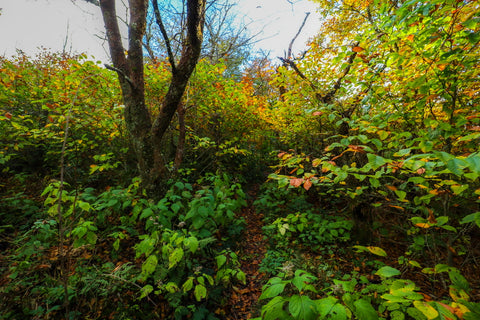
x=370 y=210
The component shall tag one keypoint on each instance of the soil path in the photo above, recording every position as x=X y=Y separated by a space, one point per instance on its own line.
x=252 y=247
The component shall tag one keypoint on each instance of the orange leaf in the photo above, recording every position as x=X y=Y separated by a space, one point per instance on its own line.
x=8 y=115
x=317 y=113
x=397 y=207
x=357 y=49
x=421 y=170
x=431 y=217
x=410 y=37
x=422 y=225
x=296 y=182
x=307 y=185
x=355 y=148
x=393 y=188
x=474 y=128
x=281 y=154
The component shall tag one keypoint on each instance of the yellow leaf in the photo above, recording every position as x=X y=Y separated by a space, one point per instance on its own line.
x=427 y=310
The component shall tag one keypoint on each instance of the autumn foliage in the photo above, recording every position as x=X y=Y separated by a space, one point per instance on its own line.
x=339 y=183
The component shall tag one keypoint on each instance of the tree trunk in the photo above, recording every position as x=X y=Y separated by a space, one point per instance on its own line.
x=146 y=136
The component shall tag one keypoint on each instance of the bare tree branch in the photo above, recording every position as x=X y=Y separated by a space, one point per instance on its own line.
x=160 y=24
x=289 y=53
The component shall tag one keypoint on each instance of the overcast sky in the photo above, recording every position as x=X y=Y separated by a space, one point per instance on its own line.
x=77 y=26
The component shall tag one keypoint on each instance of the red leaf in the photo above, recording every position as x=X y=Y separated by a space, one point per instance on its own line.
x=307 y=185
x=296 y=182
x=8 y=115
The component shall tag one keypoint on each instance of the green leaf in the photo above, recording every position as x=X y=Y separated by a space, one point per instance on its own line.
x=329 y=307
x=221 y=260
x=91 y=237
x=402 y=152
x=302 y=307
x=188 y=285
x=171 y=287
x=273 y=310
x=365 y=310
x=241 y=276
x=458 y=189
x=474 y=217
x=145 y=291
x=400 y=194
x=272 y=290
x=458 y=280
x=191 y=243
x=456 y=166
x=387 y=272
x=376 y=161
x=175 y=257
x=427 y=310
x=148 y=267
x=146 y=213
x=200 y=292
x=325 y=306
x=85 y=206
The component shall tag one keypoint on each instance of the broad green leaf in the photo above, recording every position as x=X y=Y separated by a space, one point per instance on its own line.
x=188 y=285
x=474 y=217
x=302 y=307
x=458 y=280
x=273 y=310
x=175 y=257
x=91 y=237
x=272 y=291
x=85 y=206
x=145 y=291
x=456 y=166
x=191 y=243
x=458 y=189
x=387 y=272
x=325 y=306
x=365 y=310
x=221 y=260
x=171 y=287
x=146 y=213
x=427 y=310
x=376 y=161
x=148 y=267
x=241 y=276
x=401 y=194
x=200 y=292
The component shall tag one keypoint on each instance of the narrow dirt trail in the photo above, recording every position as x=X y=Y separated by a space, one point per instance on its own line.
x=252 y=249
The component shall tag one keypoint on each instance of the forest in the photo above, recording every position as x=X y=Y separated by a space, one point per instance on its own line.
x=190 y=180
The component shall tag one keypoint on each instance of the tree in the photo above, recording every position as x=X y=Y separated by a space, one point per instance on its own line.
x=146 y=131
x=225 y=37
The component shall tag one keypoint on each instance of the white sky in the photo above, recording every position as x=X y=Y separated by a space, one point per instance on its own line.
x=77 y=26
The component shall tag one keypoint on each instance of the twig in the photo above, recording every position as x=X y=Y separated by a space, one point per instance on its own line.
x=109 y=67
x=289 y=53
x=160 y=24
